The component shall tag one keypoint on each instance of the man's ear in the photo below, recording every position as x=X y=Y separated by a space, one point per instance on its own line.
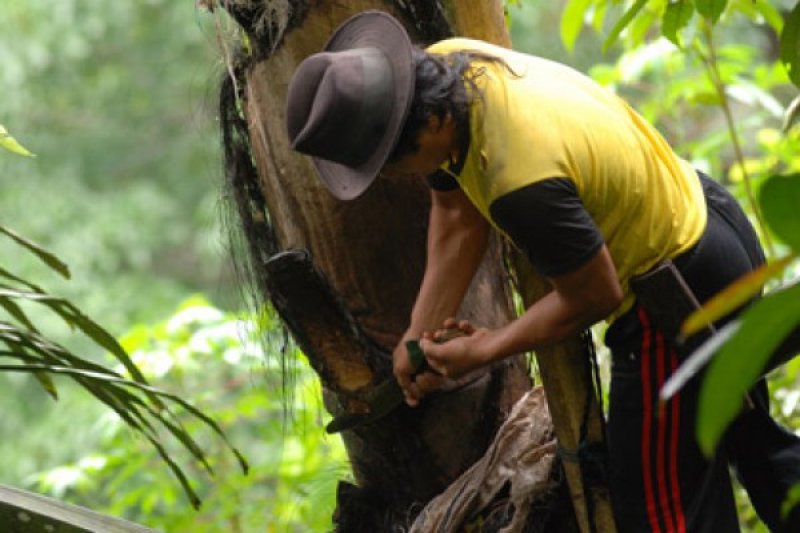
x=435 y=123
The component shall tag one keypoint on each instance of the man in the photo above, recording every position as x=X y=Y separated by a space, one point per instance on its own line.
x=594 y=196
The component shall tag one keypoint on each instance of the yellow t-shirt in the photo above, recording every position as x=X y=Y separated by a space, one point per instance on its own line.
x=546 y=120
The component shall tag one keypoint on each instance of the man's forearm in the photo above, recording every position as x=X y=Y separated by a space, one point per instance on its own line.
x=455 y=250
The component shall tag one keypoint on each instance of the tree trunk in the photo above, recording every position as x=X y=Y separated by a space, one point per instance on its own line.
x=577 y=417
x=343 y=275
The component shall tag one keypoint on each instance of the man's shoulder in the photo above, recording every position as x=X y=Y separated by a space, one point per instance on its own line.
x=465 y=44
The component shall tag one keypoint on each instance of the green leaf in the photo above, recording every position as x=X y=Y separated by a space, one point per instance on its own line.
x=10 y=143
x=48 y=258
x=102 y=385
x=47 y=384
x=622 y=23
x=8 y=275
x=704 y=98
x=711 y=9
x=676 y=17
x=741 y=362
x=780 y=198
x=599 y=16
x=572 y=21
x=188 y=442
x=771 y=15
x=641 y=26
x=733 y=296
x=790 y=44
x=791 y=115
x=792 y=500
x=16 y=311
x=75 y=318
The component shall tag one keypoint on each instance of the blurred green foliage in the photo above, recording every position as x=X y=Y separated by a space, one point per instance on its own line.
x=117 y=99
x=26 y=350
x=216 y=358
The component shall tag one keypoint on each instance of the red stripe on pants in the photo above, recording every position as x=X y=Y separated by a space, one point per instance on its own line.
x=661 y=439
x=647 y=420
x=680 y=519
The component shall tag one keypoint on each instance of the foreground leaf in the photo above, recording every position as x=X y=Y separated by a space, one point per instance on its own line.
x=676 y=17
x=711 y=9
x=790 y=44
x=572 y=21
x=622 y=23
x=742 y=360
x=780 y=201
x=697 y=361
x=733 y=296
x=142 y=407
x=792 y=500
x=74 y=317
x=791 y=115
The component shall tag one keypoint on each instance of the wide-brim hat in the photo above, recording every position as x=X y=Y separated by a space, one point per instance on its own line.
x=347 y=105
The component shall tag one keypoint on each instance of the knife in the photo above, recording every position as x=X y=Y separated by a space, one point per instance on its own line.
x=387 y=396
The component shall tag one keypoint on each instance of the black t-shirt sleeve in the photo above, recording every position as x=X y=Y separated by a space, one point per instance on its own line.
x=548 y=221
x=442 y=181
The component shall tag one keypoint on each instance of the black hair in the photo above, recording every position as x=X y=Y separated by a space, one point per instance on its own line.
x=440 y=88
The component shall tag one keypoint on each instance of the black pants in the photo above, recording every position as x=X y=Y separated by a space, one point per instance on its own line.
x=660 y=481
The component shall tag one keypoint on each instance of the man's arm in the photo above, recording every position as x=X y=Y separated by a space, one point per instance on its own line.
x=550 y=223
x=579 y=298
x=457 y=240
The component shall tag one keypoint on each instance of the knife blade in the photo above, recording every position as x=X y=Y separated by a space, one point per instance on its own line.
x=388 y=395
x=382 y=399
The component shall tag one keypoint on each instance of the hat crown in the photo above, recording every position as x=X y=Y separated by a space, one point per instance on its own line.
x=346 y=106
x=340 y=104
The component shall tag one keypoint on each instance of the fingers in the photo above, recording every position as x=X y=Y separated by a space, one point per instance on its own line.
x=414 y=387
x=443 y=362
x=404 y=373
x=450 y=323
x=450 y=329
x=428 y=382
x=423 y=385
x=431 y=350
x=466 y=327
x=412 y=395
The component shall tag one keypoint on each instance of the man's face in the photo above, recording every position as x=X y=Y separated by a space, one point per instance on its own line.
x=437 y=141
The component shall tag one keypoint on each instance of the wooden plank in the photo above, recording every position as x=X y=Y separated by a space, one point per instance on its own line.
x=26 y=512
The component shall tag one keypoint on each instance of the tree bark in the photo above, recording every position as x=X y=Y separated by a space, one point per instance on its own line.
x=345 y=274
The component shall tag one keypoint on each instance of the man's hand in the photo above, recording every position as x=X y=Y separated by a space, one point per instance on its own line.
x=414 y=386
x=460 y=354
x=451 y=352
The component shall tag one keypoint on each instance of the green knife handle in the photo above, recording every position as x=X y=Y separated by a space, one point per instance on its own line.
x=415 y=355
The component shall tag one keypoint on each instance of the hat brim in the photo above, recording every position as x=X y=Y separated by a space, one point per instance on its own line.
x=380 y=30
